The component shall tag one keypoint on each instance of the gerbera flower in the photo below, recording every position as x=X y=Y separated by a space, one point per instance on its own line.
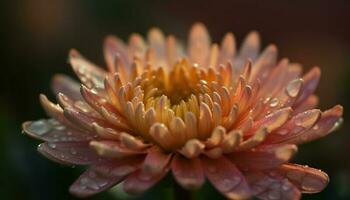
x=210 y=112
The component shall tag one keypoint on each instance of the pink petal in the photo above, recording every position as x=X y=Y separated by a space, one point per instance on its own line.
x=273 y=121
x=113 y=149
x=156 y=160
x=263 y=65
x=140 y=181
x=228 y=49
x=69 y=153
x=311 y=80
x=263 y=157
x=297 y=125
x=52 y=131
x=248 y=50
x=88 y=73
x=113 y=46
x=307 y=179
x=199 y=45
x=271 y=186
x=310 y=103
x=101 y=177
x=64 y=84
x=226 y=178
x=188 y=172
x=328 y=122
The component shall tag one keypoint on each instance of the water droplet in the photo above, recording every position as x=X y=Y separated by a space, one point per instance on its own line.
x=274 y=194
x=316 y=127
x=294 y=87
x=144 y=176
x=52 y=145
x=60 y=128
x=274 y=102
x=227 y=184
x=337 y=125
x=73 y=151
x=40 y=127
x=282 y=132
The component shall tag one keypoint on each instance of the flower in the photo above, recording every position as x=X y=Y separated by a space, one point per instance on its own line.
x=234 y=118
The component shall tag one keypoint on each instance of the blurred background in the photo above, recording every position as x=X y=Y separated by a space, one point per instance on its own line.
x=39 y=33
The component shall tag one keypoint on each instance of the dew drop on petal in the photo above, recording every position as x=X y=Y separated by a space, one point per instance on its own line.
x=40 y=127
x=52 y=145
x=73 y=151
x=294 y=87
x=274 y=102
x=282 y=132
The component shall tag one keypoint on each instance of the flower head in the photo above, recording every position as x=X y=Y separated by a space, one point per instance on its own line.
x=233 y=117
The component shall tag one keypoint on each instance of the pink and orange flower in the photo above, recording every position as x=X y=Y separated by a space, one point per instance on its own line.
x=210 y=112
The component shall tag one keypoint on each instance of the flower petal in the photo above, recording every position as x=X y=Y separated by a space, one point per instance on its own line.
x=64 y=84
x=311 y=80
x=156 y=160
x=69 y=153
x=199 y=45
x=271 y=186
x=88 y=73
x=188 y=172
x=111 y=149
x=101 y=177
x=307 y=179
x=114 y=46
x=326 y=124
x=226 y=178
x=50 y=130
x=263 y=157
x=295 y=126
x=140 y=181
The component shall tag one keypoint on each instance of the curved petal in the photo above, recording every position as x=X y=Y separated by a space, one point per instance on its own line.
x=199 y=45
x=226 y=178
x=156 y=160
x=50 y=130
x=140 y=181
x=271 y=186
x=188 y=172
x=326 y=124
x=112 y=149
x=99 y=178
x=264 y=157
x=69 y=153
x=88 y=73
x=307 y=179
x=64 y=84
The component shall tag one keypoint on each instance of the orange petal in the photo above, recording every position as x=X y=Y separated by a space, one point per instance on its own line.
x=199 y=45
x=111 y=149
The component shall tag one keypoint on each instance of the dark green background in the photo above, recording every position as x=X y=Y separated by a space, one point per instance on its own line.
x=39 y=33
